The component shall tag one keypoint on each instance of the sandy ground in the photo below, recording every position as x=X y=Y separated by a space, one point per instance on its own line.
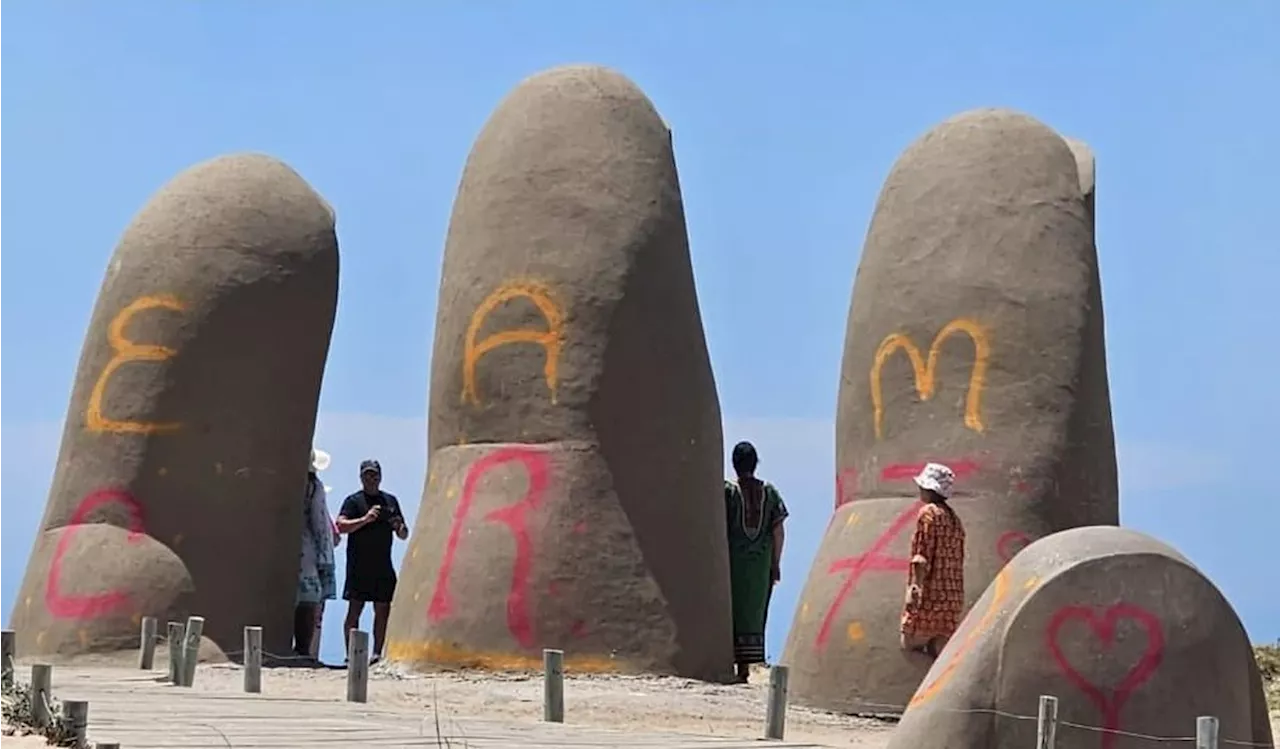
x=615 y=702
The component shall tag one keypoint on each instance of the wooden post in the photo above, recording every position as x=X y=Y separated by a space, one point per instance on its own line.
x=7 y=647
x=1206 y=732
x=191 y=649
x=553 y=686
x=76 y=713
x=175 y=653
x=358 y=666
x=41 y=693
x=253 y=659
x=1047 y=723
x=147 y=643
x=776 y=712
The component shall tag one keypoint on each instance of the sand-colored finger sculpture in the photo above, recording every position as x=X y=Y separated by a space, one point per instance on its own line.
x=183 y=458
x=974 y=339
x=574 y=497
x=1124 y=631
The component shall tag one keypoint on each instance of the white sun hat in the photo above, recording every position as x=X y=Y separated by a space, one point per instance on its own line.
x=937 y=478
x=319 y=459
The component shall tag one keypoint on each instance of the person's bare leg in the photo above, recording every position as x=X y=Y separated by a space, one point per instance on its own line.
x=354 y=610
x=381 y=612
x=913 y=644
x=304 y=628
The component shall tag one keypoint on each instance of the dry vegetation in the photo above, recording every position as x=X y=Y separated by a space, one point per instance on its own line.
x=1269 y=664
x=20 y=719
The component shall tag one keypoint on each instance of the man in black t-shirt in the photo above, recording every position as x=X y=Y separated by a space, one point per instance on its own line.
x=369 y=518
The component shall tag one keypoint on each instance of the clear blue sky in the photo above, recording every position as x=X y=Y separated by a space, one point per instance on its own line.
x=787 y=117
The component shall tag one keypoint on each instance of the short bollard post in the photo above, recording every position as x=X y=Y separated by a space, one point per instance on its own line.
x=253 y=659
x=191 y=649
x=175 y=653
x=358 y=666
x=1206 y=732
x=1047 y=722
x=77 y=714
x=7 y=647
x=553 y=686
x=147 y=643
x=776 y=713
x=41 y=693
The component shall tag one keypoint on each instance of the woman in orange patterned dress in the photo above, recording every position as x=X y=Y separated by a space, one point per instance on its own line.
x=935 y=578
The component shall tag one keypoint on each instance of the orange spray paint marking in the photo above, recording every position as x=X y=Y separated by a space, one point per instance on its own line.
x=516 y=517
x=955 y=652
x=126 y=350
x=550 y=339
x=925 y=371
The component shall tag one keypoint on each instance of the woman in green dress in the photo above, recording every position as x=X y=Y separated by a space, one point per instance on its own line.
x=755 y=513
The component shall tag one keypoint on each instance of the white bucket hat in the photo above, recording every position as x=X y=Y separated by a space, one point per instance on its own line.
x=319 y=460
x=936 y=478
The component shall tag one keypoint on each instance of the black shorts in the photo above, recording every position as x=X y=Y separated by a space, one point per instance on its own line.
x=379 y=588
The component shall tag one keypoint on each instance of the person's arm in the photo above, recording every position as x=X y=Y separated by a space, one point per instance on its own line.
x=350 y=520
x=921 y=547
x=780 y=514
x=397 y=519
x=322 y=497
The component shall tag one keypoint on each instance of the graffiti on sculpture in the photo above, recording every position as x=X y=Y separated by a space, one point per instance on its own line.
x=72 y=606
x=962 y=642
x=1010 y=543
x=515 y=517
x=962 y=468
x=1102 y=625
x=846 y=483
x=124 y=351
x=550 y=339
x=847 y=480
x=925 y=369
x=874 y=559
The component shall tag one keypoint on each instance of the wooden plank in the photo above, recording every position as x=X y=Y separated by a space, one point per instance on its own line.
x=143 y=712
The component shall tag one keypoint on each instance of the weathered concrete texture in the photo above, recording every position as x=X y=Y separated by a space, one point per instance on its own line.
x=974 y=339
x=190 y=421
x=1123 y=630
x=569 y=334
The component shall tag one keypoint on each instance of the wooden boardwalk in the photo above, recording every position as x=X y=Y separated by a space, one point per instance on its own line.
x=138 y=709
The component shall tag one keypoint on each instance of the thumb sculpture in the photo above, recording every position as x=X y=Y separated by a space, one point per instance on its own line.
x=192 y=411
x=574 y=498
x=975 y=339
x=1123 y=630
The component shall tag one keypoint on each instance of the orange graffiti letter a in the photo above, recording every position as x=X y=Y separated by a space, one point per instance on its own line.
x=550 y=339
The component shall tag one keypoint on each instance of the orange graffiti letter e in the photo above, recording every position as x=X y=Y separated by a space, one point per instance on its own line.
x=127 y=351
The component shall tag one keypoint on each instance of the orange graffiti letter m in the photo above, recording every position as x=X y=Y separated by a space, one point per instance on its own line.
x=925 y=371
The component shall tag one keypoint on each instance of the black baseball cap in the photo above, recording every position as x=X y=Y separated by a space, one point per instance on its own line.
x=370 y=465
